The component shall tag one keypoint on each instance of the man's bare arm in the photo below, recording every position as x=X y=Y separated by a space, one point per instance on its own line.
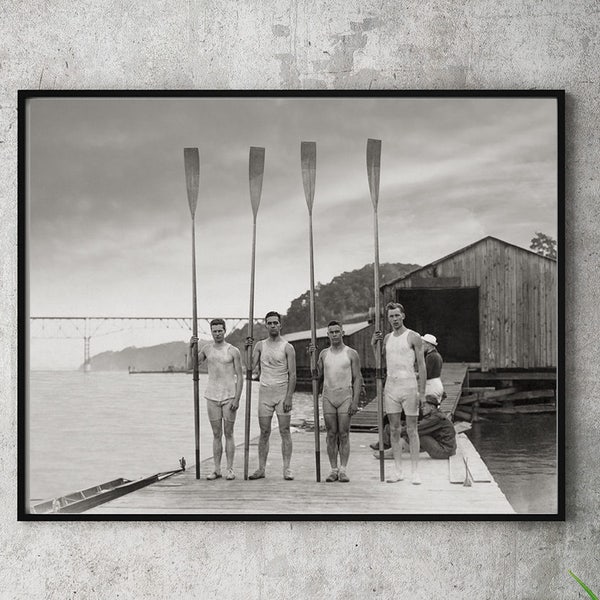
x=379 y=336
x=256 y=359
x=201 y=353
x=356 y=381
x=291 y=362
x=417 y=344
x=321 y=369
x=239 y=382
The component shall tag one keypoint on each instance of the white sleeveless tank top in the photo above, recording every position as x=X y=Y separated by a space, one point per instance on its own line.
x=400 y=357
x=221 y=373
x=273 y=363
x=337 y=369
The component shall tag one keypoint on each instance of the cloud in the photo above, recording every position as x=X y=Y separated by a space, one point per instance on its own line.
x=111 y=229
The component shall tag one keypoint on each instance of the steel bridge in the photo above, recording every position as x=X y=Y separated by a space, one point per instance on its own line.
x=85 y=328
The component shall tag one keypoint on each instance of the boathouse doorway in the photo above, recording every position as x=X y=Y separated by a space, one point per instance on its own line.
x=451 y=314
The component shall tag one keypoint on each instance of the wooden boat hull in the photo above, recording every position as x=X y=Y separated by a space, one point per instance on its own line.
x=78 y=502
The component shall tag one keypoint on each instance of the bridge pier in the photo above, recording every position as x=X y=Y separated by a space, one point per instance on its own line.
x=87 y=361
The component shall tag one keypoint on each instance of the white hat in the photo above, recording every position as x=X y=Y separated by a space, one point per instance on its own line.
x=429 y=338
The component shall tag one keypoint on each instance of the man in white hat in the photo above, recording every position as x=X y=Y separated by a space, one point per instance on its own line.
x=433 y=366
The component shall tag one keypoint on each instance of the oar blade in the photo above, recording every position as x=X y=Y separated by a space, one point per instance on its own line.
x=191 y=159
x=256 y=170
x=308 y=160
x=373 y=168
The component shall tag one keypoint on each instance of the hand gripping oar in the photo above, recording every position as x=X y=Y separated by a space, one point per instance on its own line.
x=308 y=159
x=192 y=178
x=256 y=171
x=373 y=169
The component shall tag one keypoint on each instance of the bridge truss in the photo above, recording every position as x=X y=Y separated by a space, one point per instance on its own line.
x=85 y=328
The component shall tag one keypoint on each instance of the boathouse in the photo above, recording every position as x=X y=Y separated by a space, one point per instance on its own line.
x=492 y=305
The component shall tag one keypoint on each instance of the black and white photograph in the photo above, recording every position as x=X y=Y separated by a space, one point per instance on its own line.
x=302 y=305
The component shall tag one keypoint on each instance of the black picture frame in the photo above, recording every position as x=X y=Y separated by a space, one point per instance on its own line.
x=24 y=285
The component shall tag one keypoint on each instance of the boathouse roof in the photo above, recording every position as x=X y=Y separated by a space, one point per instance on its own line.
x=349 y=329
x=444 y=258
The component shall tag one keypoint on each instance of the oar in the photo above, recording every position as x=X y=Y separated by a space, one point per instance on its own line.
x=308 y=159
x=192 y=178
x=256 y=171
x=373 y=168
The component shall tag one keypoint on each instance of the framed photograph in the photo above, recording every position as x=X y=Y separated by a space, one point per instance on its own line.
x=266 y=305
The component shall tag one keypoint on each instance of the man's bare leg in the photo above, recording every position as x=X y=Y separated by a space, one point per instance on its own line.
x=217 y=430
x=344 y=438
x=229 y=443
x=286 y=443
x=344 y=444
x=413 y=440
x=263 y=446
x=331 y=424
x=395 y=428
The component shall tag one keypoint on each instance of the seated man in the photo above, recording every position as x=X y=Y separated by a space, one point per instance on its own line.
x=437 y=435
x=433 y=365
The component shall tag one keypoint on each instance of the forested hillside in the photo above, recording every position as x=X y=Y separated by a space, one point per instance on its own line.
x=161 y=357
x=347 y=295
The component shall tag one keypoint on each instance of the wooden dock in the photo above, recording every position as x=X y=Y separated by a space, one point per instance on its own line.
x=366 y=495
x=453 y=377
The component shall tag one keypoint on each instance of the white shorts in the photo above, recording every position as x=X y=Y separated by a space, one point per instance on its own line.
x=270 y=400
x=219 y=409
x=401 y=395
x=434 y=387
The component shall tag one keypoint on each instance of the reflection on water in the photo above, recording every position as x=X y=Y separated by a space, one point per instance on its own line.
x=520 y=452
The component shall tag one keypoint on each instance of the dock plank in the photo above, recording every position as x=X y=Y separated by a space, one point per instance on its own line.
x=182 y=494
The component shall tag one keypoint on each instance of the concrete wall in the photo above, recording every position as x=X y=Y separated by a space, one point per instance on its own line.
x=317 y=44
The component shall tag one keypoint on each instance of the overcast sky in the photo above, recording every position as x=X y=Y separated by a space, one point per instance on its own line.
x=110 y=227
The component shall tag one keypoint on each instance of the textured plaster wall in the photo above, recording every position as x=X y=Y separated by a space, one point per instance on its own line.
x=286 y=44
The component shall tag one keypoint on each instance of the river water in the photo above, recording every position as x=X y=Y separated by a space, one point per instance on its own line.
x=88 y=428
x=520 y=452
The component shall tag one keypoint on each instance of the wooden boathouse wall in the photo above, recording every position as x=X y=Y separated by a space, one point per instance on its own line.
x=516 y=293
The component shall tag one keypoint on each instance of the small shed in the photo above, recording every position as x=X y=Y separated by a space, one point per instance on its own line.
x=491 y=304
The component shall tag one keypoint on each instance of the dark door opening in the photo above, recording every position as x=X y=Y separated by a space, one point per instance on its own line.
x=451 y=314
